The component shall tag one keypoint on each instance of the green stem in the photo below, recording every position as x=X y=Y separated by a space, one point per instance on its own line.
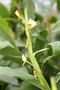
x=53 y=84
x=32 y=58
x=40 y=51
x=29 y=63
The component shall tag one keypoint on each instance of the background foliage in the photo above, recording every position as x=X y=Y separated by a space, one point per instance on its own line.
x=13 y=75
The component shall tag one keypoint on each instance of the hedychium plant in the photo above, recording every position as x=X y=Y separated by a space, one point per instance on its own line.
x=29 y=24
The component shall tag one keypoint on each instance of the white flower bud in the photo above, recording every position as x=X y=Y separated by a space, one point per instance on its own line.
x=23 y=58
x=32 y=23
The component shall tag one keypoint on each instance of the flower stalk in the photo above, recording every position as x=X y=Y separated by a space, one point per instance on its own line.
x=40 y=51
x=29 y=24
x=32 y=57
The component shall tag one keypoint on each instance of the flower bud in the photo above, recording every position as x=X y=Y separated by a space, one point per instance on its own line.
x=23 y=58
x=32 y=23
x=17 y=13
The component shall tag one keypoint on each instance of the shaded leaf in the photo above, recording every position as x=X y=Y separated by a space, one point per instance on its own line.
x=54 y=48
x=16 y=59
x=21 y=75
x=11 y=87
x=57 y=77
x=8 y=49
x=5 y=31
x=45 y=60
x=26 y=86
x=8 y=79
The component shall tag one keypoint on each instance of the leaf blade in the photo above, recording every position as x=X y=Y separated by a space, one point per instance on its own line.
x=54 y=47
x=21 y=75
x=5 y=31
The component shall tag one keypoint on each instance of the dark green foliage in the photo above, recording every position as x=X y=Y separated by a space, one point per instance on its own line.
x=13 y=75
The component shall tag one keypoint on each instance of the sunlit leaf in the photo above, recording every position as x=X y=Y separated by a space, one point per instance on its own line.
x=3 y=11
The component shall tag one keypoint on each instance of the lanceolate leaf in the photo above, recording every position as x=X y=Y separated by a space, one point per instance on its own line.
x=5 y=31
x=26 y=86
x=21 y=75
x=54 y=47
x=57 y=77
x=3 y=11
x=8 y=49
x=8 y=79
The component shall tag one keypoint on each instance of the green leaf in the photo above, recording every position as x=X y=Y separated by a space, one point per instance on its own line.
x=9 y=79
x=39 y=17
x=58 y=5
x=8 y=49
x=26 y=86
x=11 y=87
x=12 y=19
x=30 y=7
x=14 y=59
x=5 y=31
x=21 y=75
x=3 y=11
x=53 y=84
x=56 y=26
x=57 y=77
x=45 y=60
x=54 y=48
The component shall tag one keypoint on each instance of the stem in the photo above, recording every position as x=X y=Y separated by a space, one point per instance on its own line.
x=29 y=63
x=40 y=51
x=32 y=58
x=53 y=84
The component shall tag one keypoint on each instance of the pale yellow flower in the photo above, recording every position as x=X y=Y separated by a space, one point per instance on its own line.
x=17 y=13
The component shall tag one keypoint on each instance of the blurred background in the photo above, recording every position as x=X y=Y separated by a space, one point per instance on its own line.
x=46 y=13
